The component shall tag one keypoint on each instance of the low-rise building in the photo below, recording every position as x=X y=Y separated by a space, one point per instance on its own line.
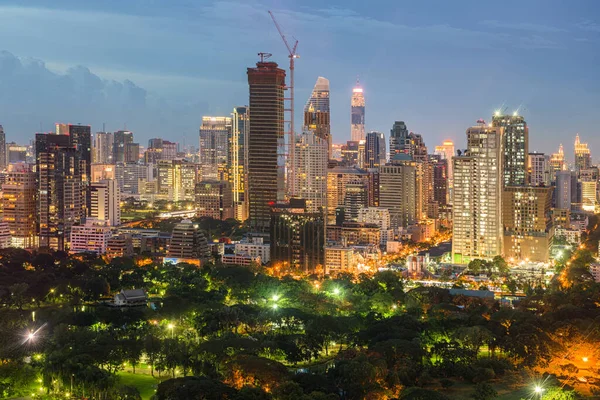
x=339 y=258
x=571 y=236
x=595 y=271
x=131 y=298
x=91 y=237
x=240 y=259
x=255 y=248
x=119 y=246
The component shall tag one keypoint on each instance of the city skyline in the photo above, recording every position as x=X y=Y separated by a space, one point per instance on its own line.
x=428 y=103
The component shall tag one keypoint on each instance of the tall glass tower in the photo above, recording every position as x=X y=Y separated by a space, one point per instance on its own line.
x=357 y=130
x=515 y=148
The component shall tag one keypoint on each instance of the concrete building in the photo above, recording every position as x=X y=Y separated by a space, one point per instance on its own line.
x=317 y=113
x=214 y=146
x=188 y=243
x=177 y=180
x=129 y=175
x=16 y=153
x=120 y=245
x=102 y=149
x=477 y=206
x=339 y=259
x=375 y=154
x=3 y=158
x=398 y=138
x=527 y=221
x=132 y=152
x=101 y=172
x=120 y=140
x=539 y=169
x=238 y=162
x=106 y=202
x=213 y=199
x=398 y=190
x=381 y=217
x=356 y=197
x=337 y=181
x=557 y=161
x=357 y=111
x=515 y=148
x=240 y=259
x=5 y=237
x=583 y=156
x=92 y=237
x=19 y=193
x=446 y=150
x=266 y=178
x=563 y=190
x=311 y=170
x=255 y=248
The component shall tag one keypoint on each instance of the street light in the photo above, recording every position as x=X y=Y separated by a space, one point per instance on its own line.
x=585 y=359
x=336 y=291
x=171 y=327
x=538 y=390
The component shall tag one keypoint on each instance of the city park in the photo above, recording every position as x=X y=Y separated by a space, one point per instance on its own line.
x=220 y=332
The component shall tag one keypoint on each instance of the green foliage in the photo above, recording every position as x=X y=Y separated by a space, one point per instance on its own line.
x=484 y=391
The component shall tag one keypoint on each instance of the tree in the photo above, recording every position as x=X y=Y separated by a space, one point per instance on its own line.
x=500 y=265
x=484 y=391
x=18 y=295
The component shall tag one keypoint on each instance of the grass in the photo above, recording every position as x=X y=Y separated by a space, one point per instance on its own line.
x=145 y=384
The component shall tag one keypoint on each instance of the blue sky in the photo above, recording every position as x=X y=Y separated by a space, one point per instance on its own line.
x=159 y=65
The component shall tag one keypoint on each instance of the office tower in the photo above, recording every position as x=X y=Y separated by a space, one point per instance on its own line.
x=19 y=193
x=177 y=180
x=102 y=151
x=154 y=151
x=5 y=238
x=129 y=175
x=415 y=147
x=106 y=202
x=583 y=157
x=16 y=153
x=213 y=199
x=188 y=243
x=238 y=162
x=557 y=161
x=588 y=179
x=398 y=190
x=317 y=114
x=266 y=179
x=120 y=140
x=426 y=206
x=361 y=153
x=447 y=151
x=214 y=144
x=477 y=211
x=80 y=137
x=562 y=197
x=378 y=216
x=356 y=197
x=440 y=179
x=61 y=203
x=2 y=148
x=92 y=237
x=312 y=154
x=337 y=180
x=527 y=221
x=516 y=147
x=169 y=150
x=375 y=154
x=132 y=152
x=398 y=138
x=350 y=153
x=539 y=169
x=373 y=191
x=103 y=171
x=119 y=246
x=357 y=130
x=297 y=237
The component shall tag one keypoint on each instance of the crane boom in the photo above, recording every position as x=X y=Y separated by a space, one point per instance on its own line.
x=290 y=50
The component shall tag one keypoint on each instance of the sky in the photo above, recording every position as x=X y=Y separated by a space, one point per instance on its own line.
x=157 y=66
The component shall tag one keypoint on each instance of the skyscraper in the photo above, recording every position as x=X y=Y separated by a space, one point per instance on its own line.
x=105 y=199
x=214 y=145
x=357 y=130
x=3 y=161
x=398 y=138
x=120 y=139
x=177 y=180
x=477 y=212
x=19 y=193
x=102 y=152
x=356 y=197
x=398 y=191
x=61 y=203
x=338 y=179
x=557 y=161
x=132 y=152
x=266 y=179
x=238 y=162
x=375 y=154
x=188 y=242
x=311 y=170
x=447 y=150
x=539 y=169
x=213 y=199
x=516 y=148
x=317 y=113
x=583 y=156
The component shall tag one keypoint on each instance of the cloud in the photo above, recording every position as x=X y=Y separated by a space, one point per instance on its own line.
x=522 y=26
x=589 y=26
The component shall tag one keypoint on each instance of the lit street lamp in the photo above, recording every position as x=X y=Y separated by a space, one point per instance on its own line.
x=171 y=327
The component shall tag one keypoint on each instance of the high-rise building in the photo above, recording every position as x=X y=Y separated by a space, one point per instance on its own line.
x=337 y=181
x=266 y=179
x=102 y=150
x=238 y=162
x=120 y=139
x=583 y=156
x=539 y=168
x=297 y=237
x=103 y=171
x=2 y=148
x=61 y=203
x=132 y=152
x=350 y=153
x=356 y=197
x=129 y=175
x=398 y=138
x=378 y=216
x=357 y=130
x=213 y=199
x=375 y=154
x=106 y=202
x=91 y=237
x=398 y=191
x=19 y=193
x=557 y=161
x=527 y=222
x=188 y=242
x=563 y=190
x=415 y=147
x=477 y=211
x=80 y=137
x=317 y=113
x=516 y=148
x=440 y=179
x=447 y=151
x=311 y=170
x=177 y=180
x=588 y=179
x=16 y=153
x=215 y=133
x=169 y=150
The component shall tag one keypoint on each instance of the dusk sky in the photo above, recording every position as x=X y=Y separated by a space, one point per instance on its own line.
x=159 y=66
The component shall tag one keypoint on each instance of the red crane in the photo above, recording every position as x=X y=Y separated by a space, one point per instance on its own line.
x=292 y=56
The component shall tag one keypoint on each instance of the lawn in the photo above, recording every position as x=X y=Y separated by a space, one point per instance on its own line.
x=145 y=384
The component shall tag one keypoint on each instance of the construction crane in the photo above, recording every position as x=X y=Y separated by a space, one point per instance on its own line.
x=292 y=56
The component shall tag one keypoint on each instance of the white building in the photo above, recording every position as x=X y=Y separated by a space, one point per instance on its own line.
x=381 y=217
x=131 y=298
x=91 y=237
x=214 y=145
x=106 y=202
x=311 y=170
x=540 y=171
x=5 y=237
x=255 y=248
x=572 y=236
x=477 y=208
x=595 y=271
x=339 y=258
